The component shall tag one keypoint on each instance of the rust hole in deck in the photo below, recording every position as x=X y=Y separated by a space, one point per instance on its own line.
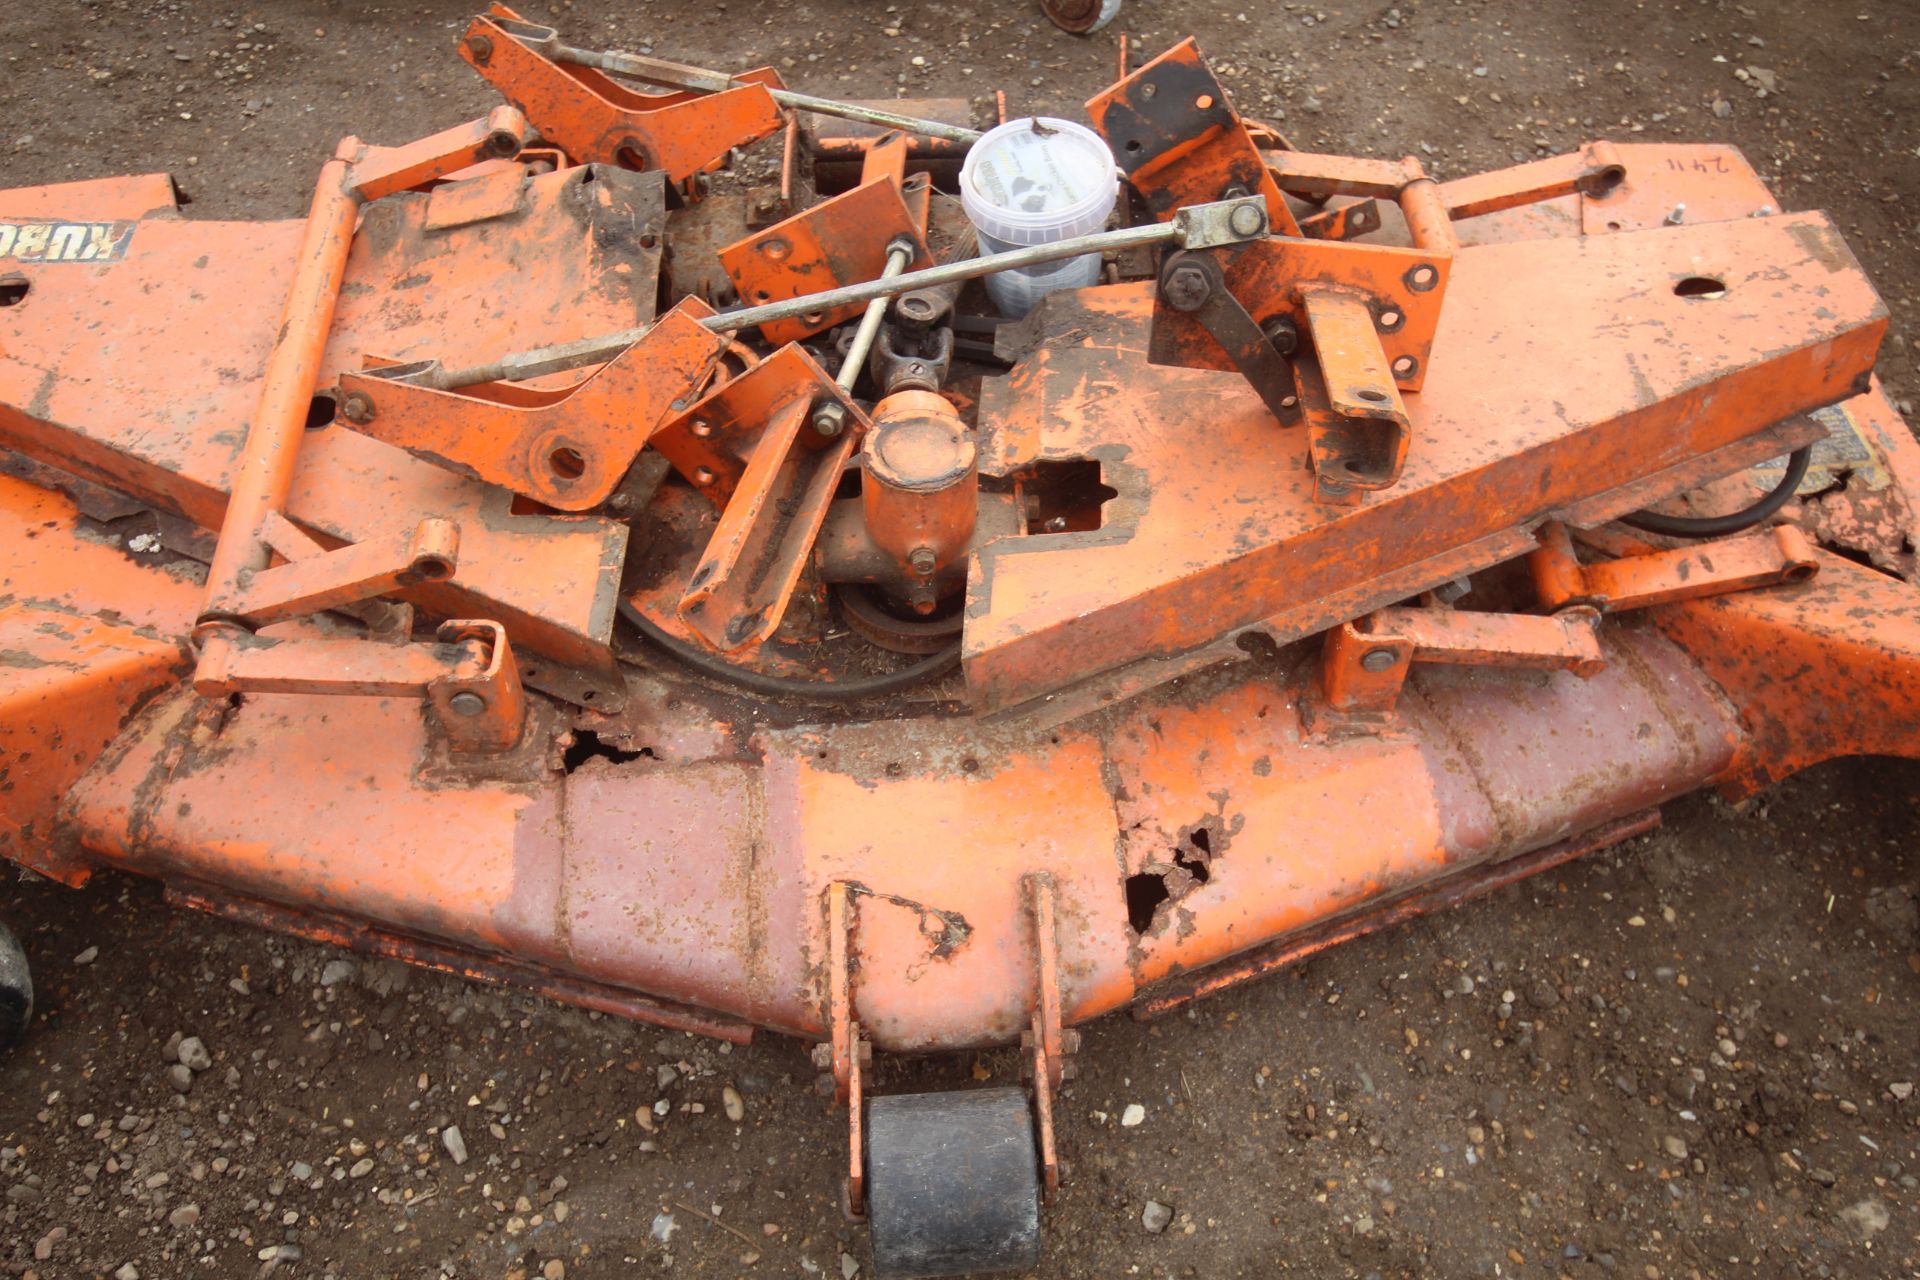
x=1189 y=867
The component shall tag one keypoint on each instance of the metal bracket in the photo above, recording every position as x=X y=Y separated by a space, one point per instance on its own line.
x=1641 y=577
x=753 y=447
x=1176 y=136
x=1359 y=424
x=840 y=241
x=568 y=448
x=313 y=581
x=842 y=1061
x=592 y=117
x=1346 y=222
x=467 y=677
x=1364 y=663
x=1048 y=1046
x=1192 y=283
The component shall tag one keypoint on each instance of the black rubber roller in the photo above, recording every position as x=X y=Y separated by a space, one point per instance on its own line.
x=16 y=990
x=953 y=1184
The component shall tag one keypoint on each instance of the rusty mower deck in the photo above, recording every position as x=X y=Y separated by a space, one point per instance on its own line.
x=561 y=563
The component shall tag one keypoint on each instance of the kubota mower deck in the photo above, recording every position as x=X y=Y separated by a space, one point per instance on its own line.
x=573 y=565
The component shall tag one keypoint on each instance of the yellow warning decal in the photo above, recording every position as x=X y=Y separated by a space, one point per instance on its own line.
x=47 y=241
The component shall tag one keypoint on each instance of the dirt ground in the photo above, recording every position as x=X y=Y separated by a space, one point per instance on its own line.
x=1691 y=1056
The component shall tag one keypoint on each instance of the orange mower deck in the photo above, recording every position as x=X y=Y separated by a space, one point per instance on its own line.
x=1282 y=587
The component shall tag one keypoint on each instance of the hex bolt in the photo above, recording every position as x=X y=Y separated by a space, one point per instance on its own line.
x=1186 y=287
x=466 y=704
x=1378 y=660
x=825 y=1085
x=823 y=1056
x=357 y=407
x=1282 y=334
x=830 y=419
x=1247 y=220
x=923 y=560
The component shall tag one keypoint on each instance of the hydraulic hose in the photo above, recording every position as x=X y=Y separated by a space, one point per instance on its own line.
x=1718 y=526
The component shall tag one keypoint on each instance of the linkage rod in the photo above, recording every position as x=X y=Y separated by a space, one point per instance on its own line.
x=1201 y=226
x=673 y=75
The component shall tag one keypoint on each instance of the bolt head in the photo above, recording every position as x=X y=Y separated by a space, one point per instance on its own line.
x=481 y=47
x=1378 y=660
x=1247 y=220
x=466 y=704
x=1186 y=288
x=357 y=408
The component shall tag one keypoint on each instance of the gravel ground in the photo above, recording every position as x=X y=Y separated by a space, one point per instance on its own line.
x=1694 y=1055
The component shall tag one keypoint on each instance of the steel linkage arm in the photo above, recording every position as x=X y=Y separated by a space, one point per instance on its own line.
x=264 y=472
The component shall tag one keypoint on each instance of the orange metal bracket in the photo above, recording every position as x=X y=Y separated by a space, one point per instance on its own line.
x=1365 y=663
x=772 y=513
x=1359 y=434
x=1641 y=577
x=839 y=241
x=1176 y=136
x=468 y=676
x=842 y=1060
x=593 y=117
x=308 y=584
x=566 y=448
x=264 y=474
x=1049 y=1044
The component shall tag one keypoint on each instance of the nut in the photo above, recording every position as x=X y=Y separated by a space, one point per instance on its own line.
x=357 y=407
x=1186 y=287
x=829 y=419
x=1282 y=334
x=923 y=561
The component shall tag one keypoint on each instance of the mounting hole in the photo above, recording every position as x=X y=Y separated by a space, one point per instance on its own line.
x=1371 y=396
x=13 y=290
x=433 y=568
x=1405 y=366
x=649 y=240
x=630 y=155
x=700 y=427
x=1421 y=277
x=321 y=410
x=1390 y=320
x=567 y=463
x=1613 y=226
x=1701 y=287
x=703 y=476
x=812 y=318
x=761 y=295
x=1133 y=146
x=1204 y=102
x=1288 y=402
x=1149 y=89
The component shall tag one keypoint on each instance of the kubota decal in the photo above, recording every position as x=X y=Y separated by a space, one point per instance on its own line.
x=43 y=241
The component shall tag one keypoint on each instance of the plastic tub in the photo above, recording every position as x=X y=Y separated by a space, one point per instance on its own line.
x=1034 y=181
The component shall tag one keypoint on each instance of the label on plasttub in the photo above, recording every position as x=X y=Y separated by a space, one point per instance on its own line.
x=1031 y=172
